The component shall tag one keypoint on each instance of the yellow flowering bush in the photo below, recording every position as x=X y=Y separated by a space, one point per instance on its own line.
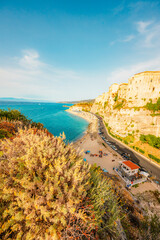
x=48 y=192
x=42 y=184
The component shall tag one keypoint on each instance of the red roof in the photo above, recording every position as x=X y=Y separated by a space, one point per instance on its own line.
x=131 y=165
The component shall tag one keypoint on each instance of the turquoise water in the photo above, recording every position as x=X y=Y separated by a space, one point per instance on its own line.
x=52 y=115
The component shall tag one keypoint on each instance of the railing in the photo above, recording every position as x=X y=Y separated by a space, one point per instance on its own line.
x=127 y=181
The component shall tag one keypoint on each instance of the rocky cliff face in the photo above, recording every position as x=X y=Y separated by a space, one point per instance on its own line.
x=123 y=105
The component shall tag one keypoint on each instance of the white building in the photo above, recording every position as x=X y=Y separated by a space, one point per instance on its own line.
x=130 y=173
x=129 y=169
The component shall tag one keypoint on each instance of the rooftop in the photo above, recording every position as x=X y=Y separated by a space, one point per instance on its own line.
x=131 y=165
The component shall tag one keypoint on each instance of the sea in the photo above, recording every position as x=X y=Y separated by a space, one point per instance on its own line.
x=53 y=116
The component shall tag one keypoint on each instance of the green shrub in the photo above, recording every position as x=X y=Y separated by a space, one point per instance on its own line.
x=136 y=185
x=155 y=114
x=136 y=108
x=153 y=106
x=151 y=140
x=142 y=151
x=139 y=149
x=15 y=115
x=106 y=124
x=86 y=106
x=157 y=195
x=105 y=104
x=119 y=105
x=102 y=197
x=150 y=228
x=116 y=97
x=154 y=158
x=125 y=141
x=4 y=134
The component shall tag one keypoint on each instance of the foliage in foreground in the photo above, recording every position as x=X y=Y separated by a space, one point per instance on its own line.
x=47 y=191
x=11 y=120
x=150 y=228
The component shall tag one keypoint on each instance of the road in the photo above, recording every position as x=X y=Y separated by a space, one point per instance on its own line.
x=140 y=160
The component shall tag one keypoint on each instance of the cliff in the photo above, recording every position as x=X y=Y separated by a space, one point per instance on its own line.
x=123 y=106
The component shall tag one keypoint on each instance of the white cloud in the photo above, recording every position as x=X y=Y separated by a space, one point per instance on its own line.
x=128 y=38
x=139 y=6
x=122 y=74
x=119 y=8
x=30 y=59
x=149 y=34
x=28 y=76
x=142 y=26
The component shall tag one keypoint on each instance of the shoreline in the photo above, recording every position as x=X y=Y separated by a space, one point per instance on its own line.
x=94 y=143
x=92 y=126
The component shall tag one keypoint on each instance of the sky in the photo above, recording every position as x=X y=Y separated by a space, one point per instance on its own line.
x=68 y=50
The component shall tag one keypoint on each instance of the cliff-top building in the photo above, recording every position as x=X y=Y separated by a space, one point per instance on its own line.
x=137 y=92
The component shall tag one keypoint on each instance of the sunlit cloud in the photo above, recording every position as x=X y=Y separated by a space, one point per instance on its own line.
x=119 y=8
x=141 y=5
x=142 y=26
x=149 y=34
x=121 y=75
x=128 y=38
x=30 y=59
x=123 y=40
x=29 y=76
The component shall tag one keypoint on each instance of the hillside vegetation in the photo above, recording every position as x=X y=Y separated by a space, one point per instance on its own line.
x=153 y=106
x=11 y=120
x=47 y=191
x=132 y=112
x=83 y=106
x=151 y=140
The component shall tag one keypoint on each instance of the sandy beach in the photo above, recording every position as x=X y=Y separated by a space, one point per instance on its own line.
x=92 y=142
x=110 y=159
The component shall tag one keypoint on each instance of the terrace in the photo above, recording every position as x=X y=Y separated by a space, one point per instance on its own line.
x=130 y=173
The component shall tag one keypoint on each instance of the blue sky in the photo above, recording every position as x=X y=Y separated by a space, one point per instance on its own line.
x=73 y=50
